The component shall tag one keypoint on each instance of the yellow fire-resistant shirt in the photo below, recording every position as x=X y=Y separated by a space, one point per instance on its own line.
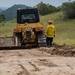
x=50 y=31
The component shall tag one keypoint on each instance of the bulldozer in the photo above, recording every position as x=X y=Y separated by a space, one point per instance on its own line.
x=29 y=31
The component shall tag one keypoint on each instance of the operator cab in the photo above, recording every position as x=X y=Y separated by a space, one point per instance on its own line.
x=27 y=16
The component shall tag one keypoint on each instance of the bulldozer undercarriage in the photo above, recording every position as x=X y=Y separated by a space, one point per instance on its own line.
x=39 y=41
x=20 y=42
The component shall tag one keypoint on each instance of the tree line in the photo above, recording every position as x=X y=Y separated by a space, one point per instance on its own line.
x=46 y=8
x=68 y=8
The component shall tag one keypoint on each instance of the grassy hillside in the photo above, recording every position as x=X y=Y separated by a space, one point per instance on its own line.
x=6 y=28
x=65 y=29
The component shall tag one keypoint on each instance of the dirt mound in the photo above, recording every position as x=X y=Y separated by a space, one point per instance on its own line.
x=60 y=50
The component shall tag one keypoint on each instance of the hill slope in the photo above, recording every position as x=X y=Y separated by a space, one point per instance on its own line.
x=65 y=29
x=11 y=12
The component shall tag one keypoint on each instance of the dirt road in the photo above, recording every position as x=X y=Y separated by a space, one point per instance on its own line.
x=35 y=62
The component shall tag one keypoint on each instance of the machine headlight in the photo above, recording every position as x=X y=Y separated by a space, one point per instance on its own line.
x=28 y=28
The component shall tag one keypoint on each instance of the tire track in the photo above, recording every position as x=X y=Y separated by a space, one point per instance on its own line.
x=24 y=71
x=46 y=63
x=35 y=67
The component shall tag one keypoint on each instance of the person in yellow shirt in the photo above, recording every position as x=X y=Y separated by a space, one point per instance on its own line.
x=50 y=33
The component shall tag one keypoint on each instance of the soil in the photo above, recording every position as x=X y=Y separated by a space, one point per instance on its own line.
x=57 y=60
x=67 y=51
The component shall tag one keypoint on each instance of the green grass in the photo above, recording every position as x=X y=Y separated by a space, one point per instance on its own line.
x=6 y=28
x=65 y=29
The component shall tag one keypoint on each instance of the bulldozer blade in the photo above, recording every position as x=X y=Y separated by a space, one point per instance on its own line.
x=12 y=47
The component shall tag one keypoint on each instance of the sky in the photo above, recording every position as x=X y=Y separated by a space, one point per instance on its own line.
x=9 y=3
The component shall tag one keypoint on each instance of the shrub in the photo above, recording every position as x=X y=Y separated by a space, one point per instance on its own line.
x=69 y=9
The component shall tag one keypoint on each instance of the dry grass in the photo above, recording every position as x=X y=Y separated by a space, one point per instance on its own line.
x=6 y=28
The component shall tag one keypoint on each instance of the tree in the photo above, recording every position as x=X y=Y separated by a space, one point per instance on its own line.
x=42 y=8
x=69 y=9
x=46 y=8
x=2 y=18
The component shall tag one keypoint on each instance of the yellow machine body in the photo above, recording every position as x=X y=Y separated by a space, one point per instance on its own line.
x=29 y=32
